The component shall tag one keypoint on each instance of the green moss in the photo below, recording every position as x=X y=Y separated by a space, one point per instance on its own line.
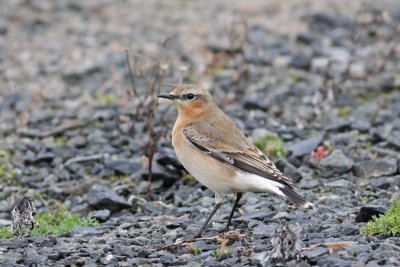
x=221 y=251
x=54 y=222
x=61 y=140
x=294 y=78
x=387 y=224
x=344 y=112
x=271 y=145
x=117 y=177
x=8 y=174
x=189 y=177
x=105 y=98
x=5 y=233
x=194 y=250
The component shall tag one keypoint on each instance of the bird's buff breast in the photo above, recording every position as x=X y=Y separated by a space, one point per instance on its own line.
x=208 y=171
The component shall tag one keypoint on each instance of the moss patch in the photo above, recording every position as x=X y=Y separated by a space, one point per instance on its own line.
x=344 y=112
x=61 y=140
x=271 y=145
x=387 y=224
x=8 y=174
x=105 y=98
x=54 y=222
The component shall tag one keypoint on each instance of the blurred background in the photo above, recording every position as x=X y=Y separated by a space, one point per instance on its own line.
x=315 y=84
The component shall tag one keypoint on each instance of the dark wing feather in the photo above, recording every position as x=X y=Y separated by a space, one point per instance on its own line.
x=252 y=161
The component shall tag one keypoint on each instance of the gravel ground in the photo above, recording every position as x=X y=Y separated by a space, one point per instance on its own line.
x=318 y=74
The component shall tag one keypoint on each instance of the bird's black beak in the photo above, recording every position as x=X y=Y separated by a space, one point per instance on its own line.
x=171 y=97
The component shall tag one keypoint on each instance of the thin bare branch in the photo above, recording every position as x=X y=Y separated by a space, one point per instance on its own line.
x=58 y=130
x=131 y=75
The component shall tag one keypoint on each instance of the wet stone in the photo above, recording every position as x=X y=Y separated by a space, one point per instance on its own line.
x=101 y=215
x=12 y=258
x=305 y=147
x=254 y=102
x=265 y=229
x=124 y=166
x=385 y=182
x=314 y=253
x=103 y=197
x=31 y=257
x=335 y=164
x=289 y=170
x=376 y=168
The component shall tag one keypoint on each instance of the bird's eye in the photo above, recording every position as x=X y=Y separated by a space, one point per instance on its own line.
x=190 y=96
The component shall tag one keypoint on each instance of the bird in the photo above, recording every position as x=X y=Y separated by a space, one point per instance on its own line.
x=215 y=151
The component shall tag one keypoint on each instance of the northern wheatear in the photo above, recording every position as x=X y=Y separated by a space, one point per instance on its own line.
x=214 y=150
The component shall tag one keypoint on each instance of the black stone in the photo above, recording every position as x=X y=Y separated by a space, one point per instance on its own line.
x=123 y=166
x=102 y=197
x=365 y=214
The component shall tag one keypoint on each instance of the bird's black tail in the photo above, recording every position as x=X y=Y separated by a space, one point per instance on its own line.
x=295 y=198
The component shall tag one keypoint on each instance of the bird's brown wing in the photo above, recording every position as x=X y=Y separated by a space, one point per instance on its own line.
x=241 y=154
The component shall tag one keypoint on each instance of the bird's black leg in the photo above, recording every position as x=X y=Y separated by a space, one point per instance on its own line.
x=238 y=197
x=217 y=206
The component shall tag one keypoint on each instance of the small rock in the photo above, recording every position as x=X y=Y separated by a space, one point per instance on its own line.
x=101 y=215
x=385 y=182
x=4 y=223
x=48 y=242
x=124 y=166
x=361 y=125
x=305 y=147
x=77 y=141
x=365 y=214
x=345 y=139
x=335 y=164
x=308 y=183
x=388 y=246
x=318 y=251
x=82 y=209
x=376 y=168
x=86 y=231
x=12 y=259
x=3 y=27
x=280 y=215
x=260 y=215
x=254 y=102
x=322 y=20
x=166 y=156
x=289 y=170
x=334 y=260
x=41 y=157
x=349 y=229
x=300 y=61
x=32 y=258
x=265 y=229
x=102 y=197
x=257 y=35
x=357 y=70
x=337 y=54
x=343 y=183
x=358 y=248
x=109 y=260
x=306 y=38
x=319 y=65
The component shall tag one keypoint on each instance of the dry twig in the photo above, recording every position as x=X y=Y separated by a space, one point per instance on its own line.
x=67 y=126
x=148 y=104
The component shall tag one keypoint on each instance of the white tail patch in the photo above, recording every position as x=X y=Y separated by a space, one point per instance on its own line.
x=248 y=182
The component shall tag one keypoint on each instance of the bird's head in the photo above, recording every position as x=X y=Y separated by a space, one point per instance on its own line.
x=191 y=100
